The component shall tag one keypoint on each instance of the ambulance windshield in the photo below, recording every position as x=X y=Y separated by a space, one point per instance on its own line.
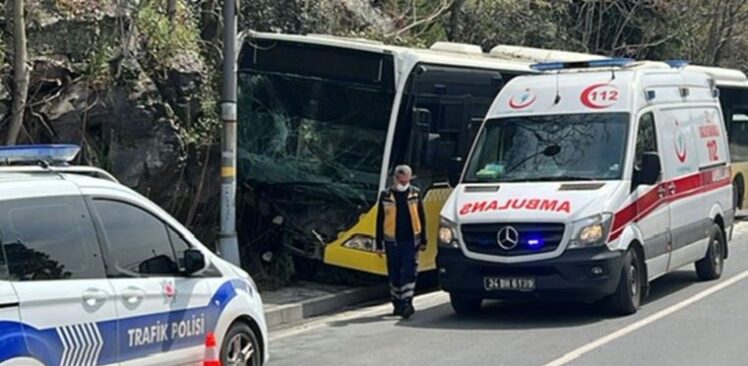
x=565 y=147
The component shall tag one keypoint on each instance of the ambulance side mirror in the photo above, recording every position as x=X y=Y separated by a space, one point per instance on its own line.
x=194 y=262
x=455 y=169
x=650 y=169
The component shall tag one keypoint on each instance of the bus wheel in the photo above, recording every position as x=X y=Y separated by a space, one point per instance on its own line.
x=738 y=192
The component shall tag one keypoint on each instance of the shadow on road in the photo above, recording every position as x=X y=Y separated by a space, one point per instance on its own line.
x=670 y=284
x=504 y=315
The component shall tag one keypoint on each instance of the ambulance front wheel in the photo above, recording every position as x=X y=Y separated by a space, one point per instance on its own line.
x=240 y=347
x=465 y=304
x=628 y=295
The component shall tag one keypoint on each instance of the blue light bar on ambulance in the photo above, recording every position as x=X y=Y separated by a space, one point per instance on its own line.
x=58 y=153
x=555 y=66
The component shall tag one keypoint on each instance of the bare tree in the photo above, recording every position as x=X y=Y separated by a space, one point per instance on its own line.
x=455 y=17
x=725 y=17
x=171 y=11
x=20 y=72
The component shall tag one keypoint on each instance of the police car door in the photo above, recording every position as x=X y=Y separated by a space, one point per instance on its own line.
x=12 y=345
x=162 y=316
x=55 y=266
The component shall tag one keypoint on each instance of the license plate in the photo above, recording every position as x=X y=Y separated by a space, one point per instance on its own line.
x=509 y=283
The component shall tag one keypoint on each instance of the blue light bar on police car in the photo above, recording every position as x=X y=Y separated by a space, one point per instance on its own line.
x=57 y=153
x=677 y=64
x=555 y=66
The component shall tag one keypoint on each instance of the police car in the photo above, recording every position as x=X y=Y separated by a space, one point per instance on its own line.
x=587 y=182
x=92 y=273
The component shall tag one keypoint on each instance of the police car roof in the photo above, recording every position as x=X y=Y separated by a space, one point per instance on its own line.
x=32 y=181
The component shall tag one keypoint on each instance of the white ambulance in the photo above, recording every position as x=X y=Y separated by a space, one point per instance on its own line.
x=586 y=182
x=92 y=273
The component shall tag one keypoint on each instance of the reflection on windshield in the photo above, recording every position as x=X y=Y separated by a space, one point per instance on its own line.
x=550 y=148
x=312 y=132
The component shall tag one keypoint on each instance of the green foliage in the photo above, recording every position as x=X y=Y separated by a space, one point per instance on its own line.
x=162 y=40
x=98 y=70
x=208 y=126
x=294 y=16
x=81 y=8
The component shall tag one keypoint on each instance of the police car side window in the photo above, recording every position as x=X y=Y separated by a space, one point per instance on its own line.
x=49 y=239
x=646 y=138
x=138 y=241
x=180 y=246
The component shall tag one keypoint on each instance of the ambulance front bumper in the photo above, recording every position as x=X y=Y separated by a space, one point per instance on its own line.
x=576 y=275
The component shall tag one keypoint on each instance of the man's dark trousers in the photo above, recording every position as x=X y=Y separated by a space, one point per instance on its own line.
x=402 y=267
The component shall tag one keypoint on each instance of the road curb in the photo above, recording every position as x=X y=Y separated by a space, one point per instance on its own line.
x=293 y=313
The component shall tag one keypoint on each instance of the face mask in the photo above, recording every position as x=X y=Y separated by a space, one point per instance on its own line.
x=402 y=187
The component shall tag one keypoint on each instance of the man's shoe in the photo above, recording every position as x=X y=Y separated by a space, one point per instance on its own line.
x=397 y=311
x=408 y=312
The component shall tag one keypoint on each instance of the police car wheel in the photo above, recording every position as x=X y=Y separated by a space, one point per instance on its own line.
x=240 y=347
x=465 y=304
x=710 y=268
x=628 y=295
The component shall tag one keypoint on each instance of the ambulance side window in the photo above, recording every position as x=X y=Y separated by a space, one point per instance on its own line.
x=50 y=238
x=646 y=138
x=138 y=241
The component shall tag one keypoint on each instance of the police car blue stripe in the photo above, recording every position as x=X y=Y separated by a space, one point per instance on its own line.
x=95 y=344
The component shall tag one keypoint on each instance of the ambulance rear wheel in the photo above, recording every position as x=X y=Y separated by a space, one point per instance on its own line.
x=465 y=304
x=710 y=268
x=240 y=347
x=628 y=295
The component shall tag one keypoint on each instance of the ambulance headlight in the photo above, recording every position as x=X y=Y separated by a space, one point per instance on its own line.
x=447 y=238
x=360 y=242
x=591 y=231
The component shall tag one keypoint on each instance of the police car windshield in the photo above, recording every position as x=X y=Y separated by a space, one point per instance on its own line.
x=567 y=147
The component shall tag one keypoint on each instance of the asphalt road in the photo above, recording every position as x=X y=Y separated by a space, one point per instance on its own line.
x=683 y=322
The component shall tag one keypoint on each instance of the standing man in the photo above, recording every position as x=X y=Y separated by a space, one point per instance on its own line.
x=401 y=231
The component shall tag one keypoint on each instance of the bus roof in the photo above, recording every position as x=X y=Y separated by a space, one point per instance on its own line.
x=445 y=53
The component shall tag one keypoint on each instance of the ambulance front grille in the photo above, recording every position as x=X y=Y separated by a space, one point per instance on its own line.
x=531 y=238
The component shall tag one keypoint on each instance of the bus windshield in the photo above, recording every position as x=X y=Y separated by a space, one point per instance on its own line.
x=312 y=132
x=566 y=147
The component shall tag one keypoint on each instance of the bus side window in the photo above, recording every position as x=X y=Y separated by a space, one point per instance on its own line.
x=738 y=137
x=442 y=114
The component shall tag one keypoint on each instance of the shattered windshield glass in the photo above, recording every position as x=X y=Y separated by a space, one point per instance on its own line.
x=313 y=132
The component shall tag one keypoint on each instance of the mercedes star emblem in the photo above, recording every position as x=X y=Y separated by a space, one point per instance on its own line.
x=508 y=238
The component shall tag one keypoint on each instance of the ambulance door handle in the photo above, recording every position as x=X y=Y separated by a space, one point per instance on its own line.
x=671 y=188
x=661 y=192
x=93 y=297
x=133 y=295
